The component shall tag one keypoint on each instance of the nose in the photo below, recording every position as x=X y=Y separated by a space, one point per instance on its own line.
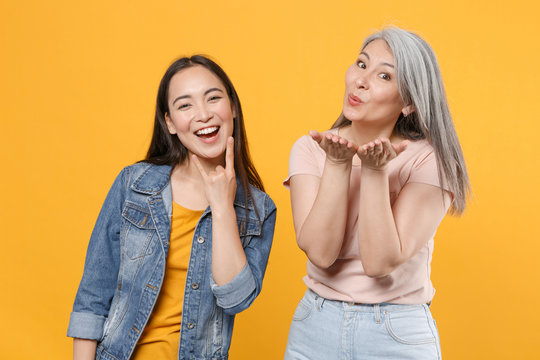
x=204 y=114
x=361 y=81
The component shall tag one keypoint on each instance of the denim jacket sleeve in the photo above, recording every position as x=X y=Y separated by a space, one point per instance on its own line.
x=241 y=291
x=98 y=284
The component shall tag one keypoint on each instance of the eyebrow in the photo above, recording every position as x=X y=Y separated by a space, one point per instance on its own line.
x=383 y=63
x=205 y=93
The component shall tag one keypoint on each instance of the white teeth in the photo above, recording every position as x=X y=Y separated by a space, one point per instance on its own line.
x=207 y=130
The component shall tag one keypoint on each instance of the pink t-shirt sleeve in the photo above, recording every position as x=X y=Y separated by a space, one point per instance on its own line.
x=424 y=170
x=305 y=159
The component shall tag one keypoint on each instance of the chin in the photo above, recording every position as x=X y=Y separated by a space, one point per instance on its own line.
x=351 y=115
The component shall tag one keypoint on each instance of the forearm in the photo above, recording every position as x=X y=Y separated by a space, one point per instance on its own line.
x=84 y=349
x=379 y=243
x=228 y=257
x=321 y=234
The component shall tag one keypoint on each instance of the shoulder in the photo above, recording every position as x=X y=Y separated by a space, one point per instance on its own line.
x=306 y=144
x=419 y=164
x=146 y=177
x=416 y=153
x=259 y=200
x=262 y=198
x=306 y=151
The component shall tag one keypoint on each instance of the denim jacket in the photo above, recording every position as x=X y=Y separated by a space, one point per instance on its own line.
x=125 y=266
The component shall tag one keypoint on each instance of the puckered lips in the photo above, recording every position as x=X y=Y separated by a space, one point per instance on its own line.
x=208 y=134
x=354 y=100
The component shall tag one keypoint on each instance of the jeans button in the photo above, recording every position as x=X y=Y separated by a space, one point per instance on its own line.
x=200 y=239
x=194 y=286
x=190 y=325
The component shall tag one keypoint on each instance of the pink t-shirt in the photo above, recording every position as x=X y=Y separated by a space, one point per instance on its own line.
x=345 y=280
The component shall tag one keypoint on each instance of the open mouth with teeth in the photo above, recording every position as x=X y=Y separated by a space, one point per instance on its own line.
x=207 y=133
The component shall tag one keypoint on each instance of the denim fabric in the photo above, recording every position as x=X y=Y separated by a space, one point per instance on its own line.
x=125 y=265
x=326 y=329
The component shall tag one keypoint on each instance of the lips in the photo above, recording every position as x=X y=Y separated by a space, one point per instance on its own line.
x=354 y=100
x=207 y=132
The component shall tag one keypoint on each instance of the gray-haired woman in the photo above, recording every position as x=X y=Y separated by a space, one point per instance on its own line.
x=367 y=197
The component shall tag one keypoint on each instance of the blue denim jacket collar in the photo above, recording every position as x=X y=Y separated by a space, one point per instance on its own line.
x=156 y=179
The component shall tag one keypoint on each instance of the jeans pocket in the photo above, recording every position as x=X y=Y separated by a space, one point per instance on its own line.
x=410 y=327
x=303 y=310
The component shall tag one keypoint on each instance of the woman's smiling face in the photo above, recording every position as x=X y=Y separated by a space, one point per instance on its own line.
x=200 y=113
x=371 y=92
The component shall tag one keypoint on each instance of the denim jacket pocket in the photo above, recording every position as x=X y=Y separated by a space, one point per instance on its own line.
x=138 y=231
x=247 y=228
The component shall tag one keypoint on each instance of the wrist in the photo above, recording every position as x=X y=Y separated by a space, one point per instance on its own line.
x=338 y=163
x=374 y=172
x=221 y=211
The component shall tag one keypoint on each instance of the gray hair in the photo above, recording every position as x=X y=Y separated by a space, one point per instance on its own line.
x=420 y=84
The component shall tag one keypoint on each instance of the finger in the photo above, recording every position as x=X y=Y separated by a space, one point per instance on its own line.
x=378 y=147
x=198 y=165
x=363 y=150
x=229 y=154
x=388 y=149
x=369 y=147
x=219 y=169
x=315 y=135
x=352 y=146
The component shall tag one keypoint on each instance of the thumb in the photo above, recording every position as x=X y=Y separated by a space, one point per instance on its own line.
x=315 y=135
x=198 y=165
x=401 y=147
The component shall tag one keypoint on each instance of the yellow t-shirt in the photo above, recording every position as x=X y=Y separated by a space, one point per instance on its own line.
x=161 y=336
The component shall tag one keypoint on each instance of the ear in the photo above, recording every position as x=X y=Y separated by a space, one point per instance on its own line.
x=170 y=125
x=407 y=110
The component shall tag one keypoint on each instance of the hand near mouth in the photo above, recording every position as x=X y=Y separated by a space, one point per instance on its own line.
x=338 y=149
x=220 y=184
x=378 y=153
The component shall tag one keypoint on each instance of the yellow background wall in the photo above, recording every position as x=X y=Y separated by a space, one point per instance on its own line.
x=78 y=82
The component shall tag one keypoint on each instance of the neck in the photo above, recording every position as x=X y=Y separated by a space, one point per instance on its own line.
x=189 y=170
x=362 y=133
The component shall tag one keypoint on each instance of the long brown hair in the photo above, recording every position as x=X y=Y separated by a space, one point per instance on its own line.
x=167 y=149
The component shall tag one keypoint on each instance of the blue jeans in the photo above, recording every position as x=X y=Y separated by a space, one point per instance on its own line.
x=336 y=330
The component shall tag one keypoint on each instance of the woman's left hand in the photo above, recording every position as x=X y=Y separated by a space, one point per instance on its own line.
x=377 y=154
x=220 y=184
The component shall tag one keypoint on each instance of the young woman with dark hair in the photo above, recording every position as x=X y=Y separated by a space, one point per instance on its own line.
x=183 y=238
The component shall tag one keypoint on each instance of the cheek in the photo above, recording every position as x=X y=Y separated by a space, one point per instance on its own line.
x=349 y=75
x=181 y=123
x=225 y=113
x=388 y=97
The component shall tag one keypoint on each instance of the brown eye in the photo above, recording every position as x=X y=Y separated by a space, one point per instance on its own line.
x=384 y=76
x=361 y=64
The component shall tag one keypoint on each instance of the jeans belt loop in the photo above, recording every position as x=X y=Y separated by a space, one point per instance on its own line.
x=377 y=310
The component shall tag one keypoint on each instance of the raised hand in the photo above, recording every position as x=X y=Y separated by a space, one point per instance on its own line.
x=338 y=150
x=220 y=184
x=378 y=153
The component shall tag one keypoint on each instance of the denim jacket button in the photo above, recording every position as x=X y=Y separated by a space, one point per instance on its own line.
x=190 y=325
x=200 y=239
x=194 y=286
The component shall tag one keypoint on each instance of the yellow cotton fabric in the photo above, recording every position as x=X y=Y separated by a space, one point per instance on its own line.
x=161 y=336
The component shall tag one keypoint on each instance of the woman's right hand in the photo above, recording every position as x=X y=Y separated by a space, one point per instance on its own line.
x=338 y=149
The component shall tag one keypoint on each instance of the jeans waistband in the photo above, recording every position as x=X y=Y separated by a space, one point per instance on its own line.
x=352 y=306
